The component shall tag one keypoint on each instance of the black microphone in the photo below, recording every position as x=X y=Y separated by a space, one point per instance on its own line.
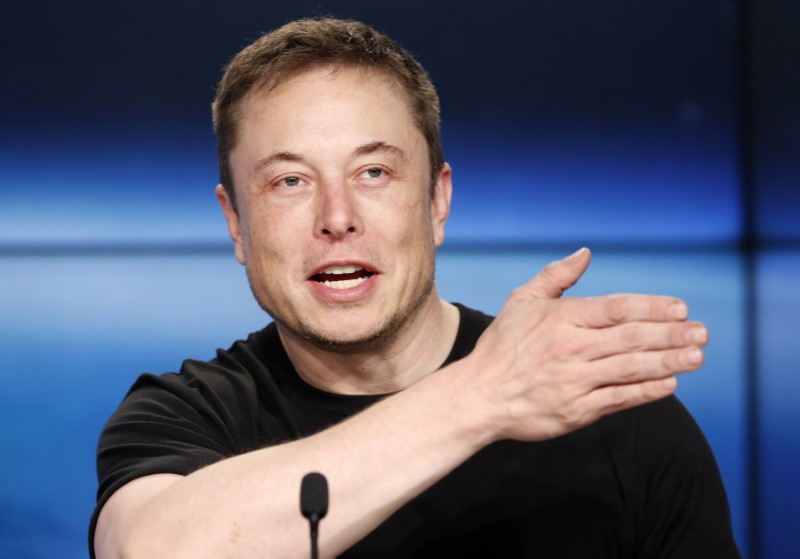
x=314 y=504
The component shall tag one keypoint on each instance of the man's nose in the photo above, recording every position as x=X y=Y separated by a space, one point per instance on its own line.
x=337 y=212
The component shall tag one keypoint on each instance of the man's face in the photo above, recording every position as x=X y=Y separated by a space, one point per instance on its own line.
x=336 y=225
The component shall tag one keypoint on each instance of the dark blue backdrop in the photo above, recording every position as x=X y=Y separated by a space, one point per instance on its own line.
x=663 y=135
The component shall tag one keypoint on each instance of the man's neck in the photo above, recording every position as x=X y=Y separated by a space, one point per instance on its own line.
x=419 y=348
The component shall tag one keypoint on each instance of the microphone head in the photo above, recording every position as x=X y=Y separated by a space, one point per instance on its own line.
x=314 y=496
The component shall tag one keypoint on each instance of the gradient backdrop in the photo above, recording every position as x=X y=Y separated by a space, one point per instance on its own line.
x=664 y=135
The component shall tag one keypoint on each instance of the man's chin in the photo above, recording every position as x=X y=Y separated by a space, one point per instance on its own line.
x=341 y=339
x=368 y=342
x=344 y=340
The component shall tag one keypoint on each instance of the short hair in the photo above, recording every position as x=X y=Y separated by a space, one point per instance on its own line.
x=308 y=43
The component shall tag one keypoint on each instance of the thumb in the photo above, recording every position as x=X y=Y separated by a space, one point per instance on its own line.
x=558 y=276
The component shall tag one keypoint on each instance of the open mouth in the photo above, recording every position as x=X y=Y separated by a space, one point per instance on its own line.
x=342 y=277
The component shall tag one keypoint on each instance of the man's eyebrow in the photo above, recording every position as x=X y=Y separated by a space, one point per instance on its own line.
x=379 y=146
x=275 y=157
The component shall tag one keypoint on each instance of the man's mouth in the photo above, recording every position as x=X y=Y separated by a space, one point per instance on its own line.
x=342 y=277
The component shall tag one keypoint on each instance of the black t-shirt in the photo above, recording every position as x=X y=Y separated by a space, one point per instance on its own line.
x=640 y=483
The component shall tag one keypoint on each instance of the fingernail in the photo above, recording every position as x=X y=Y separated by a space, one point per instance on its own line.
x=694 y=356
x=669 y=383
x=577 y=254
x=678 y=311
x=698 y=335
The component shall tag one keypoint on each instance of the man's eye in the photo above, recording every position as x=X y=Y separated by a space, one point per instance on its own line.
x=291 y=181
x=374 y=173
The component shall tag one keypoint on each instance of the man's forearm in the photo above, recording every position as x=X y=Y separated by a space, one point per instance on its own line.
x=248 y=505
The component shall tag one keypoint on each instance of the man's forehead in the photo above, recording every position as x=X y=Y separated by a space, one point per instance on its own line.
x=295 y=78
x=326 y=96
x=297 y=120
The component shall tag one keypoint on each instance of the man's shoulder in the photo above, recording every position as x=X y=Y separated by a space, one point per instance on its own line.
x=215 y=400
x=236 y=369
x=662 y=438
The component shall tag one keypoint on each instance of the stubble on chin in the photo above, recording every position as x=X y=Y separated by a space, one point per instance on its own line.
x=380 y=337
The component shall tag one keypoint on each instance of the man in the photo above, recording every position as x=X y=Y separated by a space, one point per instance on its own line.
x=549 y=431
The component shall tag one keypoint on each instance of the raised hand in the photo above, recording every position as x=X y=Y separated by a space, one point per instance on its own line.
x=548 y=366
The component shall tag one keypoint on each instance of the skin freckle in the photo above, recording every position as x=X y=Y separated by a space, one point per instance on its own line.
x=235 y=534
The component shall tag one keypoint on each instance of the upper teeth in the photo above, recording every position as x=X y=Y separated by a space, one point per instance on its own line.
x=340 y=269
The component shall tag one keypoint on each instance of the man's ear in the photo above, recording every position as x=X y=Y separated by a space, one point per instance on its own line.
x=232 y=217
x=440 y=204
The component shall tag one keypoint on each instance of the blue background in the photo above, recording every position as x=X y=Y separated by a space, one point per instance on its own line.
x=664 y=135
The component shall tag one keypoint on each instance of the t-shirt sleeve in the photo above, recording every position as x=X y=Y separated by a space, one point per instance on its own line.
x=174 y=423
x=683 y=507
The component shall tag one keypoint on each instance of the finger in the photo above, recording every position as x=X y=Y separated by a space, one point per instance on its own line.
x=632 y=368
x=611 y=399
x=558 y=276
x=610 y=310
x=634 y=337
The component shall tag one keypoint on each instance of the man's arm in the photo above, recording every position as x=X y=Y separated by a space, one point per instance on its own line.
x=545 y=367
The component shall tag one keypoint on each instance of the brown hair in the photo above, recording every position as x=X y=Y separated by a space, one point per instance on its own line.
x=306 y=43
